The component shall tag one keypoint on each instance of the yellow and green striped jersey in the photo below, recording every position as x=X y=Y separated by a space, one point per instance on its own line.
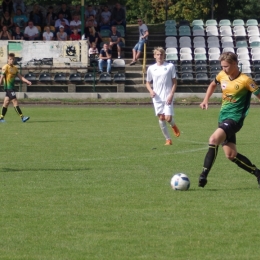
x=9 y=72
x=236 y=96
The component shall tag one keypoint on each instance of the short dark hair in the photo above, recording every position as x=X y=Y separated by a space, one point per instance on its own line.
x=12 y=55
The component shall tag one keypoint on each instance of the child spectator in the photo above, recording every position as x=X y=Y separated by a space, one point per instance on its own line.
x=47 y=35
x=93 y=50
x=18 y=35
x=61 y=35
x=75 y=36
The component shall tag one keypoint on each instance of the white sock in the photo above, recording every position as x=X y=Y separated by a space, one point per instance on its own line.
x=172 y=123
x=164 y=129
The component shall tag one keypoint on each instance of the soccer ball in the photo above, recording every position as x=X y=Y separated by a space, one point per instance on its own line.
x=180 y=181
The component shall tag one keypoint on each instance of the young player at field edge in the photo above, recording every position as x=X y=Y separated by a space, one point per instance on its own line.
x=237 y=89
x=161 y=83
x=9 y=72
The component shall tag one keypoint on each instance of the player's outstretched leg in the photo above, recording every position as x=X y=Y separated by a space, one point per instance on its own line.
x=176 y=130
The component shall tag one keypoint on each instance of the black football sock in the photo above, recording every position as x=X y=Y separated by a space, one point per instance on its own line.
x=18 y=111
x=209 y=159
x=244 y=163
x=3 y=112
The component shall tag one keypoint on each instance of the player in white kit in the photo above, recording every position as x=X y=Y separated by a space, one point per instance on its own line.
x=161 y=83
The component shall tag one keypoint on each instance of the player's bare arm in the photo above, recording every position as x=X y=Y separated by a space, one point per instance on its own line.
x=24 y=79
x=149 y=87
x=211 y=88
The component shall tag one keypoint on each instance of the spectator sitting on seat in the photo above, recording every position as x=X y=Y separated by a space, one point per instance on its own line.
x=51 y=17
x=20 y=19
x=76 y=10
x=62 y=35
x=6 y=20
x=18 y=35
x=118 y=16
x=18 y=4
x=47 y=35
x=5 y=34
x=91 y=35
x=143 y=36
x=91 y=22
x=75 y=23
x=65 y=11
x=93 y=50
x=36 y=16
x=7 y=5
x=105 y=58
x=75 y=36
x=66 y=28
x=115 y=40
x=90 y=11
x=59 y=20
x=31 y=32
x=105 y=16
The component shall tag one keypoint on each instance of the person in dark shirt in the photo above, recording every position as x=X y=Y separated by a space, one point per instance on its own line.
x=118 y=16
x=18 y=35
x=66 y=12
x=115 y=40
x=105 y=58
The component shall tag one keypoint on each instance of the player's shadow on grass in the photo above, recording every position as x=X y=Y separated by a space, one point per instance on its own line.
x=44 y=170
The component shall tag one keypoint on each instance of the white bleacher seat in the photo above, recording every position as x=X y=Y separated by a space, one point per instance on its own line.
x=186 y=56
x=213 y=44
x=250 y=22
x=199 y=32
x=185 y=41
x=228 y=49
x=171 y=50
x=242 y=50
x=211 y=22
x=243 y=56
x=255 y=51
x=212 y=31
x=197 y=22
x=225 y=31
x=171 y=42
x=255 y=56
x=239 y=31
x=214 y=56
x=200 y=50
x=214 y=50
x=253 y=32
x=185 y=50
x=200 y=56
x=254 y=39
x=224 y=22
x=199 y=44
x=237 y=22
x=212 y=39
x=227 y=45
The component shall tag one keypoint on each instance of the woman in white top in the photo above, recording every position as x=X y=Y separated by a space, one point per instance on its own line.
x=47 y=35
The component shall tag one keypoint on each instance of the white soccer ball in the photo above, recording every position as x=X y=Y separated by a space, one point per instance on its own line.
x=180 y=181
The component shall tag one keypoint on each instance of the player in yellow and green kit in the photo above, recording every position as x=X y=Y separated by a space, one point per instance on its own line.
x=237 y=89
x=9 y=72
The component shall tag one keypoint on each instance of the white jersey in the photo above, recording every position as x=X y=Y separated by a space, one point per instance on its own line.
x=162 y=80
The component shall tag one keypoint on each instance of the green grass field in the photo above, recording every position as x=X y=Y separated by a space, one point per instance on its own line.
x=94 y=183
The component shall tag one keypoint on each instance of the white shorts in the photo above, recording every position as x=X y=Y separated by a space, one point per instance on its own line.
x=163 y=108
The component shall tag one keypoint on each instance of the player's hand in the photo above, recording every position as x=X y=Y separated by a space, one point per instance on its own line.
x=29 y=83
x=152 y=94
x=169 y=99
x=204 y=105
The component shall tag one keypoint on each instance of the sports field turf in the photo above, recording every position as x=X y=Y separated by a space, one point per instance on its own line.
x=94 y=183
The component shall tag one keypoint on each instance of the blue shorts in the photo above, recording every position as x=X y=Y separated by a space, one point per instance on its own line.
x=139 y=46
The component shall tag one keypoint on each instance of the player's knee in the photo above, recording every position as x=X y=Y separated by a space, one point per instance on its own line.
x=230 y=156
